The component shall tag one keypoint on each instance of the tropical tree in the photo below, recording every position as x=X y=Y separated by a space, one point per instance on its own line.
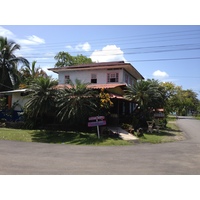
x=170 y=90
x=41 y=100
x=184 y=101
x=65 y=59
x=76 y=102
x=30 y=72
x=81 y=59
x=8 y=64
x=144 y=93
x=147 y=95
x=157 y=95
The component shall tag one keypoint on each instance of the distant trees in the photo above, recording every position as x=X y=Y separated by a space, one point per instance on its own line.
x=65 y=59
x=151 y=93
x=183 y=101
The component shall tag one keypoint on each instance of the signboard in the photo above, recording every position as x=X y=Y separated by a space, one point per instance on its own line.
x=96 y=117
x=96 y=121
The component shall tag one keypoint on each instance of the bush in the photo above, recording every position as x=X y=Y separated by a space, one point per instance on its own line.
x=15 y=125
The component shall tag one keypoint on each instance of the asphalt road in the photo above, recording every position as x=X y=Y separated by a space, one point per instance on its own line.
x=176 y=158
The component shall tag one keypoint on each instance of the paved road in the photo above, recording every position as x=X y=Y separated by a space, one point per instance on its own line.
x=175 y=158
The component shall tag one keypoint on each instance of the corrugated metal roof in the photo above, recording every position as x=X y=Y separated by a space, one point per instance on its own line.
x=14 y=91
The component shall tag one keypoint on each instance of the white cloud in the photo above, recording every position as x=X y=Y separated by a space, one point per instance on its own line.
x=160 y=74
x=69 y=47
x=86 y=46
x=80 y=47
x=6 y=33
x=108 y=53
x=31 y=40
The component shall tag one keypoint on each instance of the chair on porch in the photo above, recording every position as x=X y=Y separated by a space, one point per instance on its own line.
x=150 y=126
x=157 y=125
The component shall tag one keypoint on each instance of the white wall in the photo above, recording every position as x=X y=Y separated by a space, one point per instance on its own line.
x=21 y=100
x=85 y=76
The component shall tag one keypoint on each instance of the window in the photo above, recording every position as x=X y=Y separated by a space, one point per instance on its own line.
x=131 y=81
x=126 y=78
x=112 y=77
x=67 y=79
x=93 y=78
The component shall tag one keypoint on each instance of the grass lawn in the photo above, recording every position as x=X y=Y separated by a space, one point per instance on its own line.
x=198 y=117
x=58 y=137
x=170 y=134
x=80 y=138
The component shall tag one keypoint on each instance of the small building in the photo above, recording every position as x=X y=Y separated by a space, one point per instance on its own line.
x=14 y=100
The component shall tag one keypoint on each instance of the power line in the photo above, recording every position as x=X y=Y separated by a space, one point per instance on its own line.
x=136 y=38
x=166 y=59
x=187 y=47
x=142 y=36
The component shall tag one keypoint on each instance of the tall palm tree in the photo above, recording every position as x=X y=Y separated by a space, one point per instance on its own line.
x=30 y=72
x=41 y=99
x=76 y=102
x=8 y=62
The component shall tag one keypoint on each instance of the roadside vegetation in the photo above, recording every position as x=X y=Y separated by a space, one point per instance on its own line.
x=169 y=134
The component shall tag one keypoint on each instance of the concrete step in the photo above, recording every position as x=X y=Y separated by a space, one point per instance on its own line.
x=123 y=134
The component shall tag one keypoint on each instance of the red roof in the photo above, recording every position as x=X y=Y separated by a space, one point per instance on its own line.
x=94 y=86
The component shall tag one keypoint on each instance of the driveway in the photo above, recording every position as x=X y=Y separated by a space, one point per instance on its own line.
x=182 y=157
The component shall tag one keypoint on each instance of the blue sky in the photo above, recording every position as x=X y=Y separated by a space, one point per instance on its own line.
x=164 y=52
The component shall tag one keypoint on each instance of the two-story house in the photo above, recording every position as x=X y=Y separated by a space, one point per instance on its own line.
x=112 y=76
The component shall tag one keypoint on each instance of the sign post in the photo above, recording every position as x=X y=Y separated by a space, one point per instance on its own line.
x=97 y=121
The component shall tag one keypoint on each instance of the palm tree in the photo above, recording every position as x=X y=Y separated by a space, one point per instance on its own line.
x=41 y=99
x=148 y=95
x=29 y=73
x=8 y=63
x=139 y=93
x=145 y=93
x=76 y=102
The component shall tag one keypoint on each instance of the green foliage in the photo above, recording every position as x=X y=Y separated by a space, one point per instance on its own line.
x=9 y=75
x=153 y=94
x=41 y=100
x=145 y=94
x=183 y=101
x=76 y=102
x=2 y=103
x=29 y=73
x=65 y=59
